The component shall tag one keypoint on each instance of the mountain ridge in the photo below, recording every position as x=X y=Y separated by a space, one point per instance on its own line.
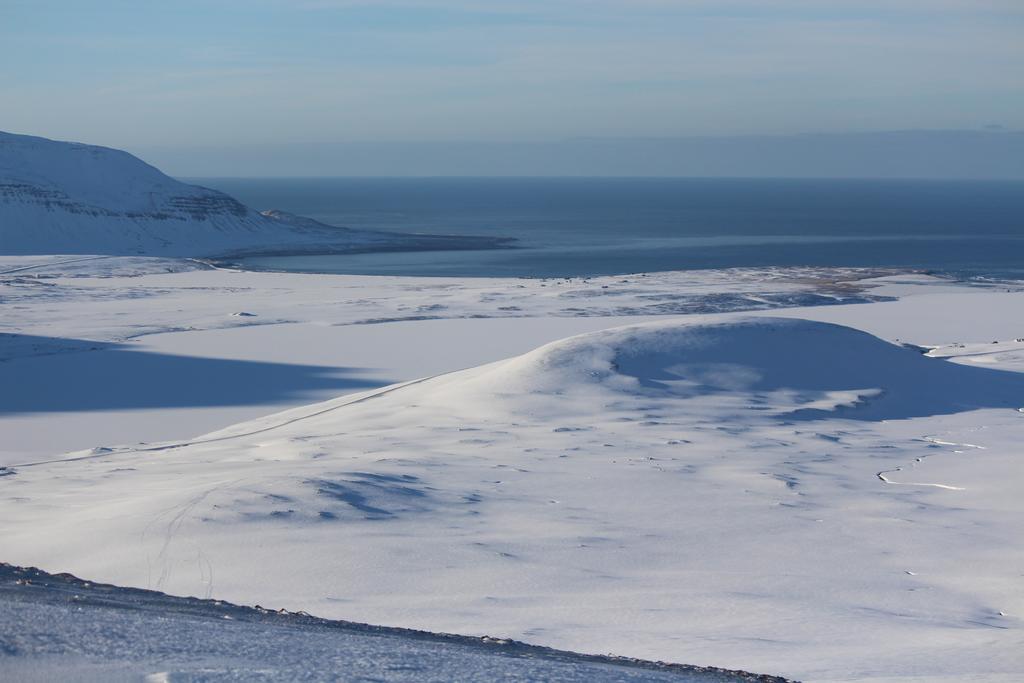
x=74 y=198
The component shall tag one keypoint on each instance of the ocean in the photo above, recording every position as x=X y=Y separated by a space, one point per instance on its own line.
x=604 y=226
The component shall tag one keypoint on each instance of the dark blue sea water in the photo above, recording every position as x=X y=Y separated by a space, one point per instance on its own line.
x=592 y=226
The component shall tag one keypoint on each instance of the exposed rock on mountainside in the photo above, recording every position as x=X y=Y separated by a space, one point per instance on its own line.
x=72 y=198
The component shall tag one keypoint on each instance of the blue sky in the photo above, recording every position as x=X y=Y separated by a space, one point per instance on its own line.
x=246 y=72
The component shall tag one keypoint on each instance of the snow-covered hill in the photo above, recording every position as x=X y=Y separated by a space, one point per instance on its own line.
x=72 y=198
x=762 y=494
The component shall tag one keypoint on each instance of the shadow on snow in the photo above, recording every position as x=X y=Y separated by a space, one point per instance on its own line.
x=117 y=377
x=811 y=359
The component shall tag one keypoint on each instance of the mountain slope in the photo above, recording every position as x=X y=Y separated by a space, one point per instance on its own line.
x=129 y=633
x=72 y=198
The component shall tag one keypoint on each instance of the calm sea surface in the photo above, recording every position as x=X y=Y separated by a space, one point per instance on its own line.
x=594 y=226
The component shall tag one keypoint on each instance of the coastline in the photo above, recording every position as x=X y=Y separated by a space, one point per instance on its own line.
x=402 y=242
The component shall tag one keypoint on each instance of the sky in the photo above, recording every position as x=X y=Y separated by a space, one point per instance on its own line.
x=241 y=74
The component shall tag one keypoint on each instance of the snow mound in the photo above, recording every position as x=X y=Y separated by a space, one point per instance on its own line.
x=796 y=367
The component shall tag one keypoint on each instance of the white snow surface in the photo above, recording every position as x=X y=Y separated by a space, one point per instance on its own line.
x=790 y=492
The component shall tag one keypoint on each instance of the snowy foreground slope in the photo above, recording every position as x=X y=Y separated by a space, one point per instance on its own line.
x=107 y=633
x=72 y=198
x=764 y=494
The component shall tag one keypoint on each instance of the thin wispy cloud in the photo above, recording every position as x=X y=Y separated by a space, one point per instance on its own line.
x=237 y=72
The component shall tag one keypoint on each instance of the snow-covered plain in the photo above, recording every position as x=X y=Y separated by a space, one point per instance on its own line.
x=786 y=492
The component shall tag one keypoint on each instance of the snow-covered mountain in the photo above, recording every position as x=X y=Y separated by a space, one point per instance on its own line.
x=72 y=198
